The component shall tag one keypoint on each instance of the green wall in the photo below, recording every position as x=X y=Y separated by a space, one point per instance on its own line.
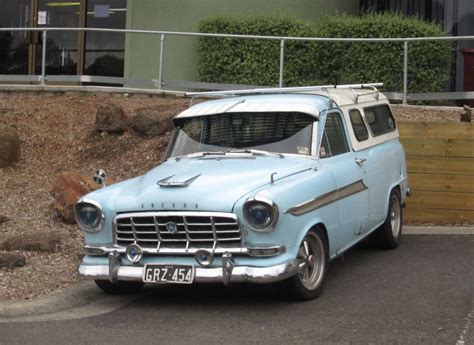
x=142 y=50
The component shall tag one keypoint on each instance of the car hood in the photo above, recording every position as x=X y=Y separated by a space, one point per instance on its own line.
x=195 y=184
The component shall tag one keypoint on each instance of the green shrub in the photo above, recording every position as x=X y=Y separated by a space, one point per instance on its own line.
x=428 y=62
x=252 y=61
x=256 y=62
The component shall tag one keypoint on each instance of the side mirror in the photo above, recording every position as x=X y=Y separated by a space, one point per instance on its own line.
x=99 y=177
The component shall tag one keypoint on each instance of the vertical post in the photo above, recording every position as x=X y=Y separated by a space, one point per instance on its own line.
x=43 y=60
x=160 y=66
x=405 y=73
x=282 y=62
x=81 y=38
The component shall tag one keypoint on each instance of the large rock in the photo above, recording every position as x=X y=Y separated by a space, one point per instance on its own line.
x=111 y=119
x=68 y=187
x=9 y=146
x=151 y=122
x=35 y=242
x=3 y=219
x=12 y=260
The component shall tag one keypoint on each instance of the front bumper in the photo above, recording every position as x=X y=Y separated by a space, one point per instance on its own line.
x=226 y=274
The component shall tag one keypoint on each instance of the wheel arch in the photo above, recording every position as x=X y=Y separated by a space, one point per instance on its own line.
x=322 y=227
x=395 y=186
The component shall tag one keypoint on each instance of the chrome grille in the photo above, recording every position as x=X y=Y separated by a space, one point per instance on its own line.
x=194 y=230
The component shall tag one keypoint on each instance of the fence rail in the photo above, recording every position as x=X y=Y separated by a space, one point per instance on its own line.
x=160 y=83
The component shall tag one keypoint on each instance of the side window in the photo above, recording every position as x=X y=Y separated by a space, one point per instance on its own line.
x=380 y=119
x=358 y=125
x=325 y=149
x=334 y=139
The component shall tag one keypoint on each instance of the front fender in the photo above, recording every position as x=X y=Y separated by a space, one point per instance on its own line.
x=291 y=229
x=106 y=197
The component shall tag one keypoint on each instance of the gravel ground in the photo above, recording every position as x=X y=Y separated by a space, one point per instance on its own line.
x=57 y=133
x=430 y=114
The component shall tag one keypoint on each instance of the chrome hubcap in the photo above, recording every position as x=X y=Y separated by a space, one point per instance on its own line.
x=311 y=260
x=395 y=213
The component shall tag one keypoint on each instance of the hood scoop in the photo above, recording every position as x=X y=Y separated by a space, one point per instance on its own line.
x=170 y=182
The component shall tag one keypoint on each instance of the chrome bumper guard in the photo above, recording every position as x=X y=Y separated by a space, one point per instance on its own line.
x=226 y=274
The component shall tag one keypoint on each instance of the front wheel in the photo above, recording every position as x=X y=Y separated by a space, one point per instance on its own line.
x=119 y=288
x=389 y=234
x=313 y=261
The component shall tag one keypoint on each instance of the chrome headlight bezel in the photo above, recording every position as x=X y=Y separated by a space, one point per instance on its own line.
x=269 y=204
x=99 y=224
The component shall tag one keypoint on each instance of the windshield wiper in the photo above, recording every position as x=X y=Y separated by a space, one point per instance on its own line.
x=257 y=152
x=209 y=153
x=200 y=154
x=253 y=152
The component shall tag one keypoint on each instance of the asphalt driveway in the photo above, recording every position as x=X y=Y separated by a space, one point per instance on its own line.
x=421 y=293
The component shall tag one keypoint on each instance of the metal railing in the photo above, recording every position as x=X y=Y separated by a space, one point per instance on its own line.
x=159 y=82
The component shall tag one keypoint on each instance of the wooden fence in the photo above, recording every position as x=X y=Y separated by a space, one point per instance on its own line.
x=440 y=160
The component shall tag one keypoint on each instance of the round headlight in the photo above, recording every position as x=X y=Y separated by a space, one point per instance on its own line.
x=261 y=214
x=89 y=215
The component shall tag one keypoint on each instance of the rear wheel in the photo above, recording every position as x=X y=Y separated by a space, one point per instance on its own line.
x=389 y=234
x=313 y=261
x=119 y=288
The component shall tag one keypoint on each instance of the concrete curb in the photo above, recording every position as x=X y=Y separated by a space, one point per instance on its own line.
x=69 y=298
x=438 y=230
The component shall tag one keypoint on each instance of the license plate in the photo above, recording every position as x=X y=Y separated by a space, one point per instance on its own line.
x=176 y=274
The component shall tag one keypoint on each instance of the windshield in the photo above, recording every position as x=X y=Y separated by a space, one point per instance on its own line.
x=278 y=132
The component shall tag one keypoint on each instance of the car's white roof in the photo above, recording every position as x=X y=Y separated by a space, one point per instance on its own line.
x=309 y=102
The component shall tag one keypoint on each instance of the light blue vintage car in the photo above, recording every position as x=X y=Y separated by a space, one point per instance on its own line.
x=267 y=186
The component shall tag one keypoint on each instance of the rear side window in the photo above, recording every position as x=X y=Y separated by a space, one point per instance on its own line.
x=334 y=139
x=358 y=125
x=380 y=119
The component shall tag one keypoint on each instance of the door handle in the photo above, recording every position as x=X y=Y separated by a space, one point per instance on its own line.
x=360 y=161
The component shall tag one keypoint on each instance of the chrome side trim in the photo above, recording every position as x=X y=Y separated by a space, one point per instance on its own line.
x=327 y=198
x=239 y=274
x=250 y=251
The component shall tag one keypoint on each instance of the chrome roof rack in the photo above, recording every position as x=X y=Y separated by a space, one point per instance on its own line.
x=374 y=92
x=287 y=90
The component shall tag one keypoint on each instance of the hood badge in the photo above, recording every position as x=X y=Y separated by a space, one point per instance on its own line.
x=172 y=227
x=166 y=183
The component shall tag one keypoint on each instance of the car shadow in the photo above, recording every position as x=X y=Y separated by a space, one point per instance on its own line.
x=341 y=269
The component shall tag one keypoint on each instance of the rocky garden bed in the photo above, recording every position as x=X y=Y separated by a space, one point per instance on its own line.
x=63 y=138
